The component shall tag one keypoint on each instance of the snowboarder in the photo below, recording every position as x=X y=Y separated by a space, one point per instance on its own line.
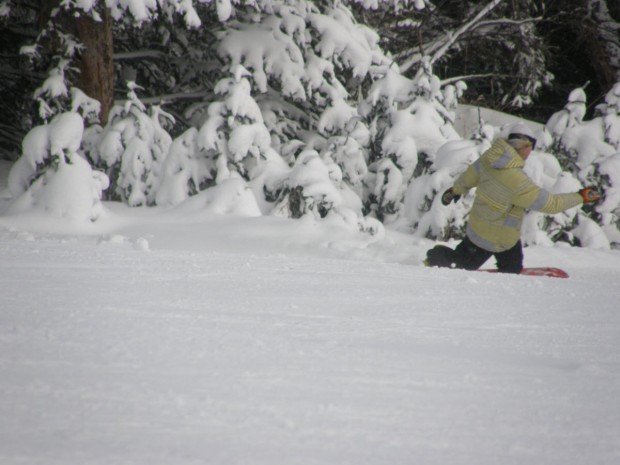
x=503 y=194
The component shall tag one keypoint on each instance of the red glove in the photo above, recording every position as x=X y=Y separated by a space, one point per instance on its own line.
x=449 y=196
x=589 y=194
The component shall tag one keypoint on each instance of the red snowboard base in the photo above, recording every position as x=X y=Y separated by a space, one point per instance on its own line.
x=541 y=271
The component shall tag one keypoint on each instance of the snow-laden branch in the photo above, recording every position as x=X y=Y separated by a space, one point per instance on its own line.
x=412 y=56
x=20 y=31
x=452 y=37
x=506 y=21
x=464 y=28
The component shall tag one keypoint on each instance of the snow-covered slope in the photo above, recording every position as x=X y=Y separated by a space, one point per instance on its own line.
x=178 y=338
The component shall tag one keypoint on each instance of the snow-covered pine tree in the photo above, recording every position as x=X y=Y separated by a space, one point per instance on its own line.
x=294 y=56
x=605 y=172
x=569 y=117
x=409 y=123
x=298 y=135
x=131 y=149
x=589 y=149
x=495 y=46
x=51 y=176
x=235 y=140
x=61 y=44
x=184 y=171
x=540 y=229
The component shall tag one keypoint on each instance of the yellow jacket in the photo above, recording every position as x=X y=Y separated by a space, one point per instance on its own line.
x=504 y=193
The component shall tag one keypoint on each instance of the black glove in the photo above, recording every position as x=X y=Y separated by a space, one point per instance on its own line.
x=449 y=196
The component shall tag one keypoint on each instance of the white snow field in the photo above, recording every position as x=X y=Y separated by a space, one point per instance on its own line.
x=177 y=337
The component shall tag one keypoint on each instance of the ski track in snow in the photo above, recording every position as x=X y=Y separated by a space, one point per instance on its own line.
x=112 y=354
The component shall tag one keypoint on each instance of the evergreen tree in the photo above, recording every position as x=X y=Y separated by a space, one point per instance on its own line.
x=297 y=103
x=494 y=46
x=52 y=177
x=409 y=124
x=589 y=149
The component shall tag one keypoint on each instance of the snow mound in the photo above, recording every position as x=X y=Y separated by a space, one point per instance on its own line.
x=231 y=197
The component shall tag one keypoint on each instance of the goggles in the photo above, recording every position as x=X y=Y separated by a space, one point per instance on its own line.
x=516 y=135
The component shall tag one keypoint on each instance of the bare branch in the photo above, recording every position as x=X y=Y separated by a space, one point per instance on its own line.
x=138 y=55
x=413 y=55
x=21 y=31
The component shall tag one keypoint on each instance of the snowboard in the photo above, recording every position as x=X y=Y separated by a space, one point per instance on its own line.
x=540 y=271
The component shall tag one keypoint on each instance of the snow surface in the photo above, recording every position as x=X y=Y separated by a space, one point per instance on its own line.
x=180 y=336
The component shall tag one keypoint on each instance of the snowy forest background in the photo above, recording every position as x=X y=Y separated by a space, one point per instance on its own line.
x=341 y=110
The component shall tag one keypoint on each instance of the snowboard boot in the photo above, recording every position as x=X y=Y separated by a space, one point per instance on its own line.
x=441 y=256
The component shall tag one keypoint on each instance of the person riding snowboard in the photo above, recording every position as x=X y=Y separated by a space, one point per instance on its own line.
x=504 y=192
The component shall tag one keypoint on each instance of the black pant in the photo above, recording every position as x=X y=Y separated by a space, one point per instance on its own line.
x=469 y=256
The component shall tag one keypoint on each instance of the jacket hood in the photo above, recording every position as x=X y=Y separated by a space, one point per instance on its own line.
x=502 y=156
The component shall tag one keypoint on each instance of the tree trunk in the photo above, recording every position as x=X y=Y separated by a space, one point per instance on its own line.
x=96 y=62
x=96 y=65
